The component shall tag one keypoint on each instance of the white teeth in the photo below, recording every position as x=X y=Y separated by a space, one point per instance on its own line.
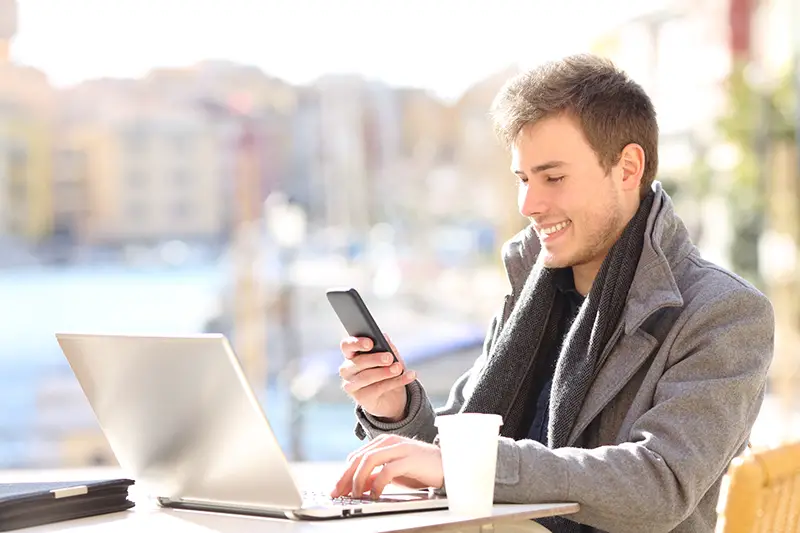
x=557 y=227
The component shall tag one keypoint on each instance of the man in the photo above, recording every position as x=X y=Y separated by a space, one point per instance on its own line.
x=628 y=370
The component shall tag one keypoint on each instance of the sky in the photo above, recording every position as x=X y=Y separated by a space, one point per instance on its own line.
x=443 y=45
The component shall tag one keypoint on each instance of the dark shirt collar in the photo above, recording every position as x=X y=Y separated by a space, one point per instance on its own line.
x=565 y=282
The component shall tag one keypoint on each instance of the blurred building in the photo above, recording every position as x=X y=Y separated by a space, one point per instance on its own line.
x=8 y=27
x=221 y=80
x=152 y=177
x=269 y=105
x=269 y=101
x=487 y=190
x=71 y=205
x=304 y=176
x=344 y=181
x=428 y=137
x=162 y=164
x=381 y=120
x=83 y=155
x=357 y=150
x=97 y=100
x=26 y=141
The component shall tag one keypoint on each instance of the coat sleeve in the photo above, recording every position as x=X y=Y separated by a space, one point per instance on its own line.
x=419 y=420
x=704 y=407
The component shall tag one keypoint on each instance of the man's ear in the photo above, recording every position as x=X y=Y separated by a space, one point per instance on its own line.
x=631 y=163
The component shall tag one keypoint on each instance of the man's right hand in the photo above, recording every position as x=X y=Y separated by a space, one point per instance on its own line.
x=376 y=383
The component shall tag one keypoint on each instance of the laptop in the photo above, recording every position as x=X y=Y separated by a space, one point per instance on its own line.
x=183 y=422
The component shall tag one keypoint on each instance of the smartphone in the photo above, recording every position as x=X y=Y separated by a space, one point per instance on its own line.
x=357 y=320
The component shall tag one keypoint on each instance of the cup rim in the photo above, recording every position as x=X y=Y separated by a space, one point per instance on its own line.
x=488 y=418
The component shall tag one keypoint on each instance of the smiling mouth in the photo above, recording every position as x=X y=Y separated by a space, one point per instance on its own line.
x=550 y=230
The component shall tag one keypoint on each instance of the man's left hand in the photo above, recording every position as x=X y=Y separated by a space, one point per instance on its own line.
x=405 y=462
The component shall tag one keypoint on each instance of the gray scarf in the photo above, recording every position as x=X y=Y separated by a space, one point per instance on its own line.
x=505 y=385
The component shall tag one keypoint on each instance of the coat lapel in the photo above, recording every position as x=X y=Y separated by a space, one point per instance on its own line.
x=623 y=361
x=653 y=288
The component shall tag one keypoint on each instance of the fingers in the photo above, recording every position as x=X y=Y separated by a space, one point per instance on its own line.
x=369 y=395
x=395 y=350
x=382 y=387
x=352 y=346
x=401 y=460
x=365 y=378
x=351 y=367
x=370 y=482
x=391 y=471
x=345 y=484
x=381 y=440
x=374 y=458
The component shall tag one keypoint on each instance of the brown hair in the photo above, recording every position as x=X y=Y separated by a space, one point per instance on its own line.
x=612 y=109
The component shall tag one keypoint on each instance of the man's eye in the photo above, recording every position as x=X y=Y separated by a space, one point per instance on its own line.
x=555 y=179
x=522 y=179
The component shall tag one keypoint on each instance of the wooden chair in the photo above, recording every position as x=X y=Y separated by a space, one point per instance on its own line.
x=761 y=493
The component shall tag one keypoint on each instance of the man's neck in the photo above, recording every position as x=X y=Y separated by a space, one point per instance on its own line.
x=584 y=275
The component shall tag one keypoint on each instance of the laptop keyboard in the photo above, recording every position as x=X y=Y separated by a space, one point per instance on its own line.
x=322 y=498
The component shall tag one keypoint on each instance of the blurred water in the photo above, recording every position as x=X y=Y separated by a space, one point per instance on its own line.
x=36 y=303
x=39 y=302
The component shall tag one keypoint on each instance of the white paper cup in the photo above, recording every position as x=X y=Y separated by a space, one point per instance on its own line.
x=469 y=458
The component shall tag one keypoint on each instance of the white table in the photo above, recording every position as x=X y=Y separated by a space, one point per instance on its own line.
x=147 y=516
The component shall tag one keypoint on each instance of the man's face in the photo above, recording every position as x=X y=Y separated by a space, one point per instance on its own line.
x=574 y=205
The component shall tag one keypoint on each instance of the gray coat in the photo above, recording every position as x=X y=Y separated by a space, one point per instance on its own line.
x=673 y=403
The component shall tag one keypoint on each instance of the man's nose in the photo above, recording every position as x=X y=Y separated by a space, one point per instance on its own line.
x=532 y=200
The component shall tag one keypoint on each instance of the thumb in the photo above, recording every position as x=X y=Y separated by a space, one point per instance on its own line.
x=395 y=350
